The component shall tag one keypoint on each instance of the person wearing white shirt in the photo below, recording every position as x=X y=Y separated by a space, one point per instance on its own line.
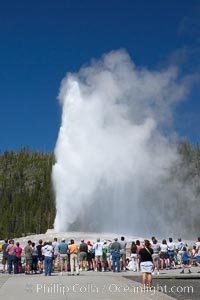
x=171 y=249
x=47 y=251
x=98 y=247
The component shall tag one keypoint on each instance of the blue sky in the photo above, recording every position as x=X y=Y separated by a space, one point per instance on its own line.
x=42 y=40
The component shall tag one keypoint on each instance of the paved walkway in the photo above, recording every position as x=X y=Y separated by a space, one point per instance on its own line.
x=100 y=286
x=88 y=285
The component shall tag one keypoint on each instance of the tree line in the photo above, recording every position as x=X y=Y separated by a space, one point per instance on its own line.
x=26 y=195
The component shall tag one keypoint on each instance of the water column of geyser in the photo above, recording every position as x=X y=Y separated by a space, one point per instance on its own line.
x=112 y=160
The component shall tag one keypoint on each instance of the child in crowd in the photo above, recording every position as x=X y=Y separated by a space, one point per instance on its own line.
x=176 y=260
x=185 y=260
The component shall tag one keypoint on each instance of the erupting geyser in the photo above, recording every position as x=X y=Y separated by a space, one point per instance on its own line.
x=112 y=158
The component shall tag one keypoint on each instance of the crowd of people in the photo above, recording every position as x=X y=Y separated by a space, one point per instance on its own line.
x=108 y=255
x=152 y=256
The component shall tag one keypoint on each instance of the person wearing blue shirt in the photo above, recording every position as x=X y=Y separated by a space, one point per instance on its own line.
x=63 y=256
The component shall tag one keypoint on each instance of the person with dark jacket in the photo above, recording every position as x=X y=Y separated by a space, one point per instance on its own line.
x=83 y=249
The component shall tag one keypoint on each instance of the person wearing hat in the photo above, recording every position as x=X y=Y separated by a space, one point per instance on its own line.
x=63 y=256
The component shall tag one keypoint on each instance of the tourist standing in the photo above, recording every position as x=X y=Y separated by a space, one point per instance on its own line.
x=180 y=245
x=83 y=249
x=171 y=249
x=5 y=256
x=63 y=256
x=134 y=257
x=164 y=257
x=90 y=256
x=12 y=262
x=185 y=260
x=34 y=258
x=73 y=251
x=146 y=264
x=123 y=244
x=28 y=257
x=138 y=246
x=18 y=258
x=98 y=247
x=107 y=254
x=56 y=253
x=40 y=256
x=115 y=252
x=156 y=258
x=47 y=251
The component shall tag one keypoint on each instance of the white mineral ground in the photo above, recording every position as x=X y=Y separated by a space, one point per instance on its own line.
x=86 y=236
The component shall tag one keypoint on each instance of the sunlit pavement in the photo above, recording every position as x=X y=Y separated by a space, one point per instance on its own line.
x=88 y=285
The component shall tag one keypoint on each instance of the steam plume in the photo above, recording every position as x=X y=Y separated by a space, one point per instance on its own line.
x=112 y=157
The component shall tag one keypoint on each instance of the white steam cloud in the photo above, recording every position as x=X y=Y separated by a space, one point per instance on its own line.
x=112 y=157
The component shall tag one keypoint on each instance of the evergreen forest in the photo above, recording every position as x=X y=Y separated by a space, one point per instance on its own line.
x=26 y=196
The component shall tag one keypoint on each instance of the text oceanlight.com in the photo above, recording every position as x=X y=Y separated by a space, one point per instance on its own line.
x=91 y=288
